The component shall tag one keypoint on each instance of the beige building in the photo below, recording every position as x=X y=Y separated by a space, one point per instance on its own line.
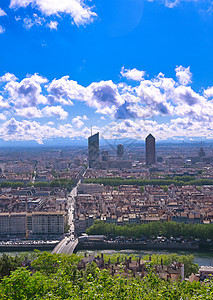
x=36 y=223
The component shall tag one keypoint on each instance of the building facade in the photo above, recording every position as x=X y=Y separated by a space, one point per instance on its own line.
x=150 y=149
x=93 y=150
x=32 y=224
x=120 y=151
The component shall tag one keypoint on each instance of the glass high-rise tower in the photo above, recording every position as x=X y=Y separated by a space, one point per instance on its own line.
x=150 y=149
x=120 y=151
x=93 y=150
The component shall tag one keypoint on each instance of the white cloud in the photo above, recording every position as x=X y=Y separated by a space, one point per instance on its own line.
x=104 y=96
x=50 y=123
x=2 y=30
x=85 y=118
x=208 y=93
x=133 y=74
x=3 y=103
x=53 y=25
x=55 y=111
x=131 y=108
x=3 y=117
x=8 y=77
x=183 y=75
x=2 y=13
x=77 y=121
x=27 y=93
x=34 y=21
x=78 y=10
x=174 y=3
x=185 y=94
x=28 y=112
x=64 y=91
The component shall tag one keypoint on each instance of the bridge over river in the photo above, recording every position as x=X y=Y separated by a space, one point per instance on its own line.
x=67 y=245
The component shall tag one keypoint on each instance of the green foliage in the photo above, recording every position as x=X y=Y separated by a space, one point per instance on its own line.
x=177 y=180
x=66 y=228
x=41 y=184
x=62 y=183
x=167 y=229
x=8 y=264
x=18 y=184
x=142 y=189
x=165 y=188
x=57 y=277
x=188 y=261
x=6 y=184
x=54 y=173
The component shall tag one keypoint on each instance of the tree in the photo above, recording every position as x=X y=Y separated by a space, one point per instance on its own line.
x=8 y=264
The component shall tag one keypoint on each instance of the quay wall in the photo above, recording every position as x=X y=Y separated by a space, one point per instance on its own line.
x=102 y=245
x=25 y=248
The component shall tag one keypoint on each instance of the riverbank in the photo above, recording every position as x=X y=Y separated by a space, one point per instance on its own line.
x=27 y=247
x=114 y=245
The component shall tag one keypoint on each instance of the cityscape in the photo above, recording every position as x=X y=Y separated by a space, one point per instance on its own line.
x=106 y=149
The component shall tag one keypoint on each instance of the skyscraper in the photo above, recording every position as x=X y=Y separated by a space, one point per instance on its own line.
x=93 y=150
x=150 y=149
x=105 y=155
x=201 y=153
x=120 y=150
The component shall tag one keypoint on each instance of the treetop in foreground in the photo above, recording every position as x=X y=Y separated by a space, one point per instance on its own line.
x=57 y=277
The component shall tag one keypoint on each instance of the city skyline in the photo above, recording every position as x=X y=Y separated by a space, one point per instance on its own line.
x=126 y=68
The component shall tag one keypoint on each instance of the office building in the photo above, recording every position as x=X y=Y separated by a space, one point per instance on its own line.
x=201 y=153
x=105 y=155
x=93 y=150
x=120 y=150
x=150 y=149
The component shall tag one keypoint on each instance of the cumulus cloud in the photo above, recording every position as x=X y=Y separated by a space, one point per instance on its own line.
x=2 y=30
x=13 y=130
x=104 y=96
x=28 y=112
x=53 y=25
x=2 y=116
x=129 y=110
x=64 y=91
x=55 y=111
x=8 y=77
x=133 y=74
x=183 y=75
x=77 y=121
x=185 y=94
x=27 y=93
x=208 y=93
x=2 y=13
x=84 y=118
x=3 y=103
x=78 y=10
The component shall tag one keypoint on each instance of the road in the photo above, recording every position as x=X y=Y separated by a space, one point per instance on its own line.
x=68 y=244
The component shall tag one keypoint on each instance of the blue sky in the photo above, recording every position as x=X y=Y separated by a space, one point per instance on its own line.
x=125 y=67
